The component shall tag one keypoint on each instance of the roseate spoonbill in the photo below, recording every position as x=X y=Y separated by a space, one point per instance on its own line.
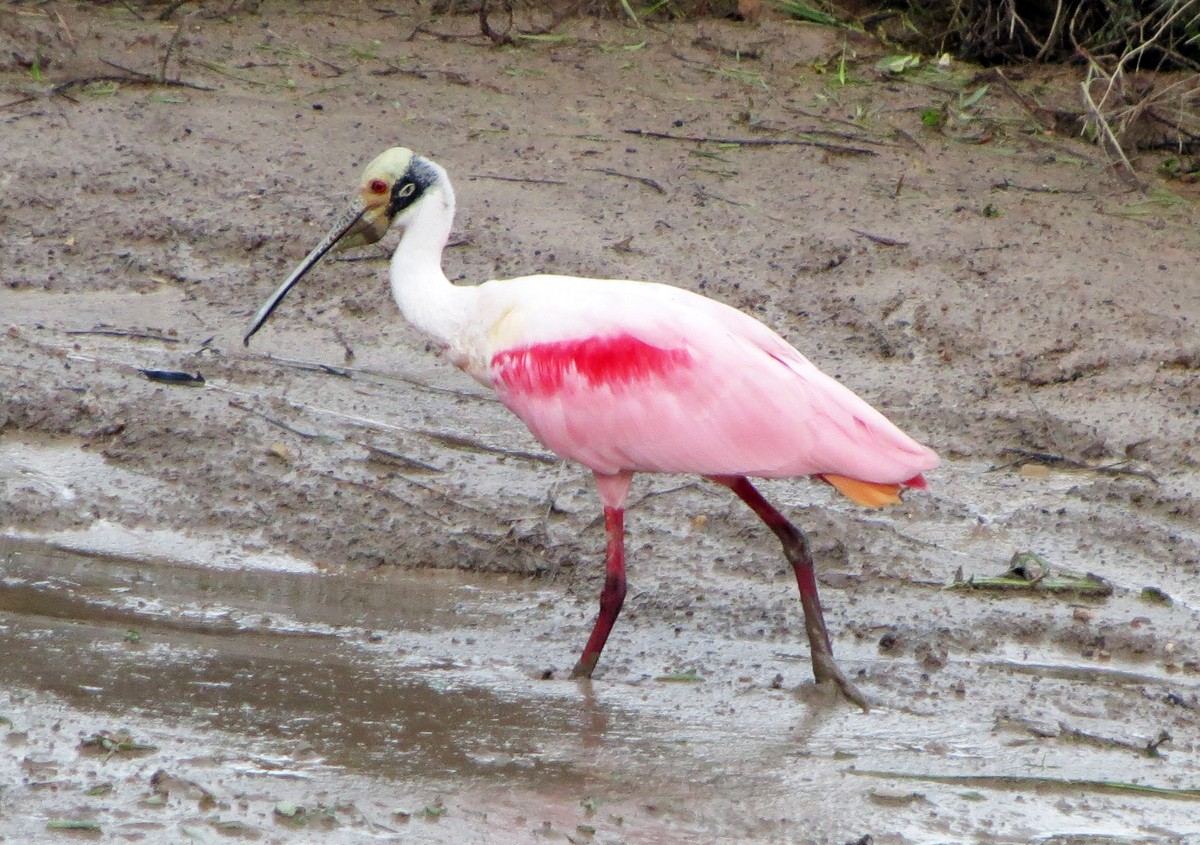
x=625 y=376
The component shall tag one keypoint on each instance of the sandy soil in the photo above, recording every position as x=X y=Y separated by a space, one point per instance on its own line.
x=269 y=536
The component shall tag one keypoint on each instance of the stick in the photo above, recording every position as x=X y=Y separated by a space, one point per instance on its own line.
x=1024 y=456
x=884 y=240
x=381 y=455
x=424 y=73
x=703 y=194
x=1026 y=781
x=162 y=71
x=242 y=406
x=124 y=333
x=135 y=76
x=752 y=142
x=131 y=10
x=458 y=441
x=518 y=179
x=356 y=372
x=165 y=14
x=338 y=71
x=1004 y=185
x=497 y=38
x=649 y=183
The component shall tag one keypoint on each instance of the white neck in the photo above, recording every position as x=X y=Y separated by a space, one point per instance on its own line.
x=426 y=297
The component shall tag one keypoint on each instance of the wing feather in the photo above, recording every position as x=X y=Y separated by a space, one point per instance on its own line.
x=641 y=377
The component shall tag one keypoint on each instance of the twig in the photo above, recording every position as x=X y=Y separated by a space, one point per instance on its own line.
x=242 y=406
x=568 y=10
x=1004 y=185
x=135 y=76
x=1150 y=749
x=62 y=22
x=132 y=10
x=172 y=8
x=1030 y=105
x=338 y=71
x=839 y=120
x=141 y=74
x=26 y=99
x=518 y=179
x=356 y=372
x=424 y=73
x=883 y=240
x=706 y=43
x=459 y=441
x=215 y=67
x=1024 y=456
x=1027 y=781
x=703 y=194
x=313 y=367
x=423 y=27
x=123 y=333
x=162 y=71
x=497 y=38
x=608 y=171
x=752 y=142
x=384 y=455
x=1107 y=136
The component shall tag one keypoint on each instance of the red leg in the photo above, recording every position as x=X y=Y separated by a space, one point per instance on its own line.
x=795 y=548
x=612 y=489
x=611 y=597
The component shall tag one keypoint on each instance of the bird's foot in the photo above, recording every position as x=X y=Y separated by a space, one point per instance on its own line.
x=584 y=668
x=827 y=672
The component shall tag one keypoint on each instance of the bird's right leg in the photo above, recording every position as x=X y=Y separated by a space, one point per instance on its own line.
x=795 y=549
x=613 y=489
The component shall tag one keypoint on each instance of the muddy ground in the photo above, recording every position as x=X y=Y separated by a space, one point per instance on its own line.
x=336 y=589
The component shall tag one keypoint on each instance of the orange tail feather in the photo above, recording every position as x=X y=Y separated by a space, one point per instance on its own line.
x=866 y=493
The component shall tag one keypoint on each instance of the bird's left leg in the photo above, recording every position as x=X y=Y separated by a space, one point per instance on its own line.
x=613 y=489
x=795 y=548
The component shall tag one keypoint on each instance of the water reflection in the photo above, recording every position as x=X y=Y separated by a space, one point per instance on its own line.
x=214 y=649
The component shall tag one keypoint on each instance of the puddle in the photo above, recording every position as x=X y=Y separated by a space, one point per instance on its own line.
x=398 y=706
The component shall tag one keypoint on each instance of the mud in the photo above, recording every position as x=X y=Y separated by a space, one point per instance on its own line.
x=338 y=589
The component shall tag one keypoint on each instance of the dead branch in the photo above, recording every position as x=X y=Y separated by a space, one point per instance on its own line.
x=162 y=71
x=882 y=240
x=136 y=77
x=1004 y=184
x=123 y=333
x=608 y=171
x=1024 y=456
x=517 y=179
x=470 y=444
x=171 y=9
x=752 y=142
x=452 y=76
x=497 y=38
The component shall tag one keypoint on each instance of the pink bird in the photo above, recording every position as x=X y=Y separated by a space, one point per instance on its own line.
x=625 y=377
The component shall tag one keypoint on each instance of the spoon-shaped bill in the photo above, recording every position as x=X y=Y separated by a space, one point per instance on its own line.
x=354 y=228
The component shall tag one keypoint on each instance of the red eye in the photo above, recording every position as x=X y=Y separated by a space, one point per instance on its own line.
x=378 y=186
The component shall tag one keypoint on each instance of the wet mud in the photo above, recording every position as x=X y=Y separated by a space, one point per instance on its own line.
x=332 y=592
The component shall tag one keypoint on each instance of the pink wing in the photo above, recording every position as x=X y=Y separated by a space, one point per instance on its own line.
x=663 y=380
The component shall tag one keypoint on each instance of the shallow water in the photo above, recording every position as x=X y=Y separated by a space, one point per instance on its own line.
x=396 y=705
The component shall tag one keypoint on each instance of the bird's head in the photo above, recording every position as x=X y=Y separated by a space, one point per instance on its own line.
x=392 y=186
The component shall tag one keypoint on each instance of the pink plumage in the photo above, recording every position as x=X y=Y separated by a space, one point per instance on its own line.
x=665 y=380
x=627 y=377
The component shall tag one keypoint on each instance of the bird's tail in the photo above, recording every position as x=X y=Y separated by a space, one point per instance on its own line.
x=870 y=494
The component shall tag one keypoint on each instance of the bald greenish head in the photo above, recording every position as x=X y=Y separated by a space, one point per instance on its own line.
x=391 y=184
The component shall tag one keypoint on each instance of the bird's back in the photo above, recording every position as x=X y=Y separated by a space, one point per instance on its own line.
x=624 y=375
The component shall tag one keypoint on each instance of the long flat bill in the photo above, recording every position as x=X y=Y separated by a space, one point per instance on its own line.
x=341 y=228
